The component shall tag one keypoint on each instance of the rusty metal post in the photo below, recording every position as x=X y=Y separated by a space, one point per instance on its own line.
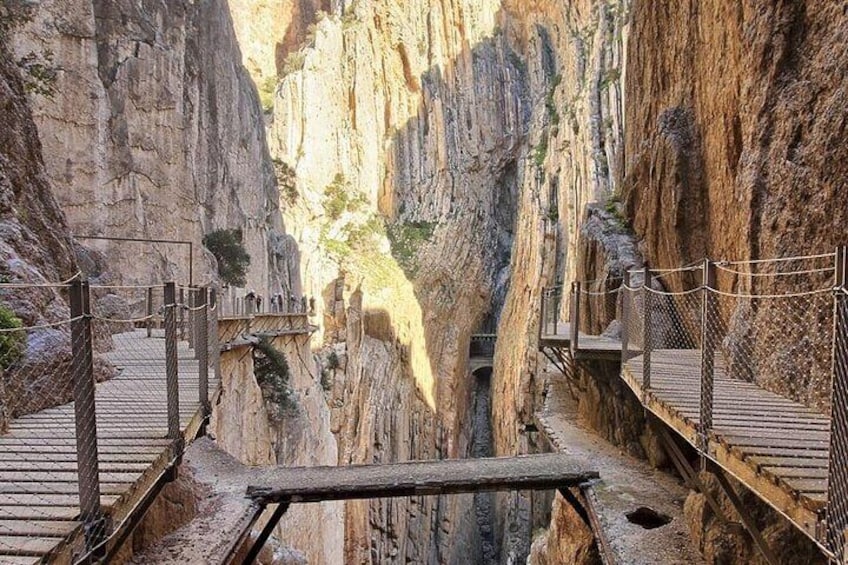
x=625 y=315
x=85 y=416
x=575 y=316
x=171 y=367
x=837 y=475
x=709 y=342
x=202 y=349
x=182 y=313
x=150 y=312
x=647 y=326
x=215 y=308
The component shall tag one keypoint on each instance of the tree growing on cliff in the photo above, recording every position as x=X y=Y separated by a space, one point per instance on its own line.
x=12 y=343
x=233 y=259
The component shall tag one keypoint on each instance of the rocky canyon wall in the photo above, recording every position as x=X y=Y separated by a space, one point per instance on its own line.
x=398 y=127
x=154 y=130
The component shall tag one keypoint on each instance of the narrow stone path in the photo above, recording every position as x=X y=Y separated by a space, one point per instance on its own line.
x=626 y=484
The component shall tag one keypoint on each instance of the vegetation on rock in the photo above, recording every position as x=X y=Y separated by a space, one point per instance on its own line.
x=12 y=343
x=233 y=260
x=272 y=374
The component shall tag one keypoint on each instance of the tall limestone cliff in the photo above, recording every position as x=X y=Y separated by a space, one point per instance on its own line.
x=398 y=126
x=154 y=130
x=35 y=244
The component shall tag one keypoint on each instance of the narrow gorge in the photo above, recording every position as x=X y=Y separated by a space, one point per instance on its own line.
x=418 y=174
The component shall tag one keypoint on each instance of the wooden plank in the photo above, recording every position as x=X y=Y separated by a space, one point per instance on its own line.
x=35 y=546
x=800 y=437
x=62 y=476
x=314 y=484
x=49 y=500
x=70 y=465
x=797 y=472
x=59 y=488
x=45 y=528
x=789 y=462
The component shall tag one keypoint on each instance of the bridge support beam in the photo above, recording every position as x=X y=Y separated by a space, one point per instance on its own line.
x=740 y=508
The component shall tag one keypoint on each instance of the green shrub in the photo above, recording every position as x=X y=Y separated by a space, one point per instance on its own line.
x=540 y=153
x=12 y=344
x=406 y=239
x=272 y=375
x=266 y=93
x=233 y=260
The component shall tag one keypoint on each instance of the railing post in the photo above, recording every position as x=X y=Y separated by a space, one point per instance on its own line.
x=543 y=316
x=214 y=310
x=150 y=312
x=575 y=316
x=625 y=314
x=709 y=340
x=647 y=326
x=198 y=305
x=171 y=367
x=837 y=476
x=182 y=313
x=202 y=349
x=85 y=415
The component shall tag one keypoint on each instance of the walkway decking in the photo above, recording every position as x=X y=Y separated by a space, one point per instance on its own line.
x=777 y=447
x=39 y=500
x=589 y=347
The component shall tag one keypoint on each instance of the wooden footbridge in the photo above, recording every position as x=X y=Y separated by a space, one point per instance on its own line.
x=745 y=361
x=121 y=397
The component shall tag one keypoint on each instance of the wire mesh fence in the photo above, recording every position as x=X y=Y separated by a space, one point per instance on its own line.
x=774 y=323
x=91 y=403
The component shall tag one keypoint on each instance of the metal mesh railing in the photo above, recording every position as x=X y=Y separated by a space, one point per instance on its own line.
x=781 y=324
x=91 y=401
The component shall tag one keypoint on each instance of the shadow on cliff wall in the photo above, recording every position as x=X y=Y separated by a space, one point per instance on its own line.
x=455 y=170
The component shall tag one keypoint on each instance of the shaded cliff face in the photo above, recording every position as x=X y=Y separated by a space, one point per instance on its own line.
x=154 y=131
x=574 y=52
x=35 y=246
x=747 y=164
x=398 y=126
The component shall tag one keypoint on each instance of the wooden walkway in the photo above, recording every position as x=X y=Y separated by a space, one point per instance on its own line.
x=39 y=500
x=589 y=347
x=778 y=448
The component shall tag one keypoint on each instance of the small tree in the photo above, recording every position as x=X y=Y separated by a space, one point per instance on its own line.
x=233 y=259
x=12 y=343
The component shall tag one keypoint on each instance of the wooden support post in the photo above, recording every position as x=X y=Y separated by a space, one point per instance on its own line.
x=647 y=326
x=171 y=367
x=150 y=312
x=202 y=349
x=85 y=416
x=749 y=523
x=575 y=317
x=625 y=315
x=709 y=341
x=257 y=546
x=837 y=476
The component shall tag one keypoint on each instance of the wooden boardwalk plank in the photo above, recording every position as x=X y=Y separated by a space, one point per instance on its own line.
x=39 y=500
x=778 y=447
x=45 y=528
x=315 y=484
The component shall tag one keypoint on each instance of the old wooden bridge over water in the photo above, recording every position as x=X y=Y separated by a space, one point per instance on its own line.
x=746 y=361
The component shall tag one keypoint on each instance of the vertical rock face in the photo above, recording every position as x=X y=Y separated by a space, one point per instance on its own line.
x=575 y=55
x=749 y=163
x=399 y=126
x=35 y=246
x=251 y=424
x=154 y=130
